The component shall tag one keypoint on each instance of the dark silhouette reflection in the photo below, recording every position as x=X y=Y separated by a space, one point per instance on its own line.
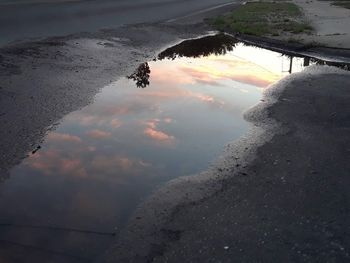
x=141 y=75
x=218 y=45
x=290 y=70
x=307 y=61
x=344 y=66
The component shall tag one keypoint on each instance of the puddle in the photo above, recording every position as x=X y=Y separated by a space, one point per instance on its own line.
x=102 y=161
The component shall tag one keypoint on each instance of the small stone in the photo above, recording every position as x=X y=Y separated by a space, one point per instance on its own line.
x=226 y=247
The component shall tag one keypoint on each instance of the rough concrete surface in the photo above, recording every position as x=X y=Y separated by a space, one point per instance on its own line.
x=331 y=23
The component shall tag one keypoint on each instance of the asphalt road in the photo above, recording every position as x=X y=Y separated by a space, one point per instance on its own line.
x=24 y=19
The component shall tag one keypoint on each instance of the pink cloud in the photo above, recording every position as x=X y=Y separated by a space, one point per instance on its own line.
x=204 y=77
x=88 y=120
x=52 y=163
x=168 y=120
x=68 y=165
x=252 y=80
x=63 y=137
x=115 y=162
x=145 y=164
x=99 y=134
x=72 y=167
x=152 y=132
x=91 y=148
x=158 y=135
x=203 y=97
x=116 y=123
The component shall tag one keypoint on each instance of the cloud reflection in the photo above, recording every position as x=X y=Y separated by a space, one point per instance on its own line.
x=113 y=163
x=111 y=152
x=232 y=68
x=63 y=137
x=154 y=133
x=80 y=164
x=103 y=120
x=115 y=123
x=178 y=81
x=99 y=134
x=51 y=162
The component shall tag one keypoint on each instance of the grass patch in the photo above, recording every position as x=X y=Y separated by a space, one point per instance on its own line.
x=263 y=18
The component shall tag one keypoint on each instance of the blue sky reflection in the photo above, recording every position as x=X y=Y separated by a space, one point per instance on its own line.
x=103 y=160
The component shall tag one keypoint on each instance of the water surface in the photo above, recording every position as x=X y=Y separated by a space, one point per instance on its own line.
x=102 y=161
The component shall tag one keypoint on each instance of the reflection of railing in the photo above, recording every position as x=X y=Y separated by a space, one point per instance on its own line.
x=345 y=66
x=309 y=60
x=290 y=69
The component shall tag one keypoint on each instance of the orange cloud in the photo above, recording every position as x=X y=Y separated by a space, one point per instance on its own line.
x=99 y=134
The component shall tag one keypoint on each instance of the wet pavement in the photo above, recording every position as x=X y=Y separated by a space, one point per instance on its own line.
x=102 y=161
x=172 y=117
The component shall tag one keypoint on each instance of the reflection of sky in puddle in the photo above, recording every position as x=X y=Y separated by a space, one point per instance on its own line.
x=101 y=161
